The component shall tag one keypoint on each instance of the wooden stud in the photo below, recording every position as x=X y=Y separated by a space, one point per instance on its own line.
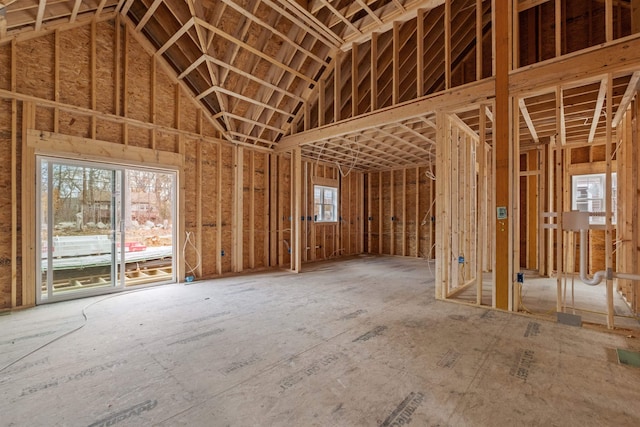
x=56 y=80
x=417 y=213
x=125 y=87
x=503 y=157
x=337 y=89
x=482 y=205
x=219 y=202
x=635 y=243
x=558 y=27
x=296 y=223
x=381 y=218
x=392 y=203
x=199 y=197
x=153 y=102
x=608 y=198
x=117 y=64
x=395 y=92
x=266 y=222
x=14 y=180
x=238 y=211
x=252 y=209
x=532 y=211
x=28 y=200
x=479 y=50
x=94 y=78
x=374 y=71
x=369 y=213
x=447 y=43
x=355 y=99
x=608 y=13
x=404 y=212
x=321 y=103
x=280 y=208
x=420 y=53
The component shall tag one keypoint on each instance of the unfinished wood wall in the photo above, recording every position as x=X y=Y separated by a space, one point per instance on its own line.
x=628 y=227
x=400 y=212
x=439 y=49
x=100 y=81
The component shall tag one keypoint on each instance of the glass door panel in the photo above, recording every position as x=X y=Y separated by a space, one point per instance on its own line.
x=77 y=228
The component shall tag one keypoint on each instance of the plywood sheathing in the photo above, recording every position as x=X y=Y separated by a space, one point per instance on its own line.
x=142 y=115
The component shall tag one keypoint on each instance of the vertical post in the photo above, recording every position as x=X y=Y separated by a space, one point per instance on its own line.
x=503 y=153
x=56 y=79
x=558 y=27
x=337 y=88
x=238 y=209
x=219 y=209
x=392 y=210
x=374 y=71
x=94 y=78
x=252 y=210
x=369 y=212
x=395 y=93
x=608 y=13
x=417 y=213
x=443 y=203
x=482 y=199
x=28 y=201
x=380 y=215
x=420 y=53
x=354 y=80
x=608 y=207
x=447 y=43
x=14 y=179
x=296 y=223
x=479 y=35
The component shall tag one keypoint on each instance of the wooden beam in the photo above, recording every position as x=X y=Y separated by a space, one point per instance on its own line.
x=464 y=95
x=602 y=94
x=148 y=15
x=219 y=201
x=629 y=93
x=527 y=119
x=74 y=12
x=40 y=14
x=622 y=55
x=528 y=4
x=254 y=51
x=174 y=38
x=560 y=120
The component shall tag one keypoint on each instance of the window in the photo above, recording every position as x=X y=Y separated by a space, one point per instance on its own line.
x=325 y=201
x=589 y=193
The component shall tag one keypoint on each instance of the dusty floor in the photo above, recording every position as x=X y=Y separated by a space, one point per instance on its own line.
x=360 y=342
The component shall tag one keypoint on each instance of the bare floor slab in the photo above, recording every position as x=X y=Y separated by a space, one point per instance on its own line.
x=359 y=342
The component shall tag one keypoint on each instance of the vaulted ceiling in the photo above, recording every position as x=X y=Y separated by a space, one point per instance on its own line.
x=260 y=66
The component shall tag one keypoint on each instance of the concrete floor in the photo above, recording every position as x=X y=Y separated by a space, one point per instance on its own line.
x=359 y=342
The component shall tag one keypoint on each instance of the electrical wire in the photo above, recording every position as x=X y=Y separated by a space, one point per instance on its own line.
x=188 y=241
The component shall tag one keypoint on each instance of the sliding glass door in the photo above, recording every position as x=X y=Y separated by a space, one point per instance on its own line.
x=102 y=228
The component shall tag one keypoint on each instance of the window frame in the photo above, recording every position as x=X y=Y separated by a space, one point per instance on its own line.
x=320 y=208
x=599 y=219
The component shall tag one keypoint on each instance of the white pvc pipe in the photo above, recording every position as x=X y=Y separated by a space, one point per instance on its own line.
x=627 y=276
x=599 y=275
